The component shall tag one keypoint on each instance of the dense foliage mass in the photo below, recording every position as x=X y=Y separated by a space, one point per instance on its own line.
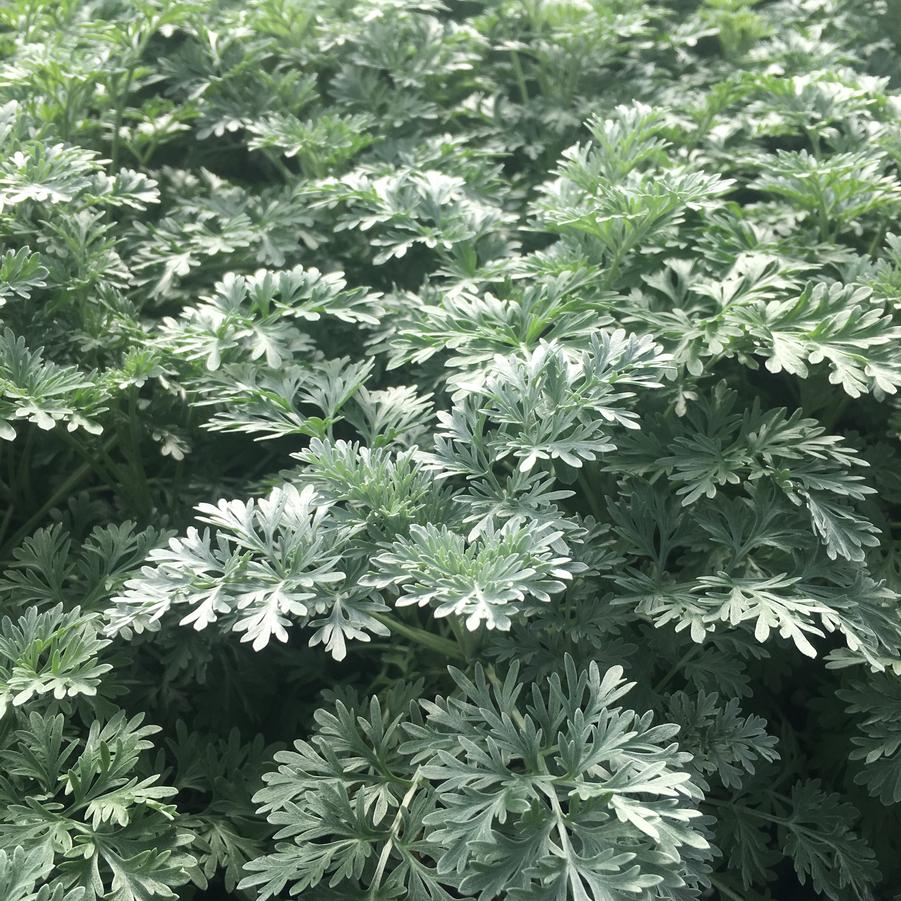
x=450 y=450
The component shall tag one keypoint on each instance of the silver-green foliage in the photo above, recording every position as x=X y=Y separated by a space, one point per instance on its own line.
x=496 y=400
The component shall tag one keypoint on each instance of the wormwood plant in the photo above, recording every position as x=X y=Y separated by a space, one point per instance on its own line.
x=449 y=450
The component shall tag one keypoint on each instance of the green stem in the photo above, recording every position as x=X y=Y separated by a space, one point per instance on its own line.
x=514 y=714
x=32 y=522
x=23 y=477
x=117 y=122
x=395 y=824
x=101 y=470
x=467 y=641
x=724 y=890
x=876 y=243
x=5 y=524
x=688 y=655
x=836 y=412
x=589 y=493
x=551 y=791
x=122 y=99
x=280 y=166
x=520 y=77
x=823 y=217
x=814 y=139
x=750 y=811
x=137 y=463
x=560 y=819
x=10 y=468
x=421 y=636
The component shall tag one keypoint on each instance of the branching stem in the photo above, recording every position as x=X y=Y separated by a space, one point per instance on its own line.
x=420 y=636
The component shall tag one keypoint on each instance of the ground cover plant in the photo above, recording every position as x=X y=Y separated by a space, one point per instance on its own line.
x=450 y=450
